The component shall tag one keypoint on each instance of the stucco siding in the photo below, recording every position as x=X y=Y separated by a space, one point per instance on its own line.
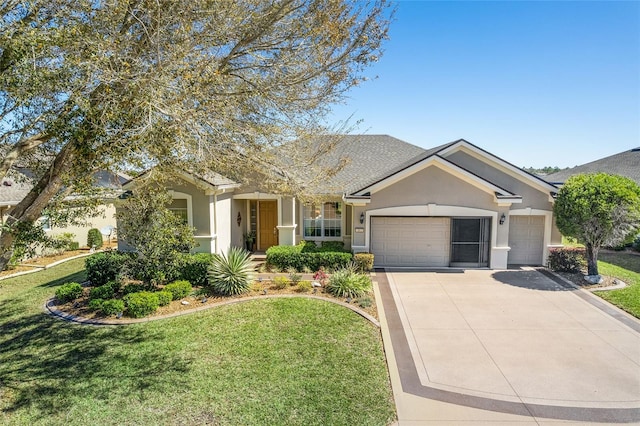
x=200 y=206
x=105 y=217
x=531 y=196
x=431 y=185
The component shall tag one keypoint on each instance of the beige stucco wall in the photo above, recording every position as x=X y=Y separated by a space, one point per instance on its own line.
x=200 y=206
x=105 y=217
x=432 y=185
x=531 y=197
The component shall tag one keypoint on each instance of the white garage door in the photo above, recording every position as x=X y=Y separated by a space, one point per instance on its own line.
x=411 y=241
x=526 y=239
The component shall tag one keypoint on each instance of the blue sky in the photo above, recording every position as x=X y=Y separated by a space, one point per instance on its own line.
x=536 y=83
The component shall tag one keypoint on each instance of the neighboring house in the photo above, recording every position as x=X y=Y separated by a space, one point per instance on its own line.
x=16 y=186
x=625 y=163
x=453 y=205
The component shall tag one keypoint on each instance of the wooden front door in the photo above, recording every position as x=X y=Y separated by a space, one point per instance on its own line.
x=267 y=223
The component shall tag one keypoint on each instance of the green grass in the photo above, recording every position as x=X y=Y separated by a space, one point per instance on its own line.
x=272 y=361
x=626 y=267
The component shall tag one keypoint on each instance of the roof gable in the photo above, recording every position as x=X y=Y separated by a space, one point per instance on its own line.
x=434 y=160
x=499 y=164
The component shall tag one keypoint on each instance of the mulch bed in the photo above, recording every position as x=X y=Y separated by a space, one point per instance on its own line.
x=80 y=307
x=578 y=279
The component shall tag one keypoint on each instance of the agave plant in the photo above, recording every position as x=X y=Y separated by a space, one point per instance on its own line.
x=231 y=274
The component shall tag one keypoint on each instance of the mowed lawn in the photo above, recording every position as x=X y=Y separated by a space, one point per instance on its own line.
x=625 y=266
x=289 y=361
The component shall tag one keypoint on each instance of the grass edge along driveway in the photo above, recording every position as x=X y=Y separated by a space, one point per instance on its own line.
x=626 y=267
x=277 y=361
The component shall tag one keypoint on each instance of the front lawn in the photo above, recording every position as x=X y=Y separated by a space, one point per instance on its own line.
x=273 y=361
x=625 y=266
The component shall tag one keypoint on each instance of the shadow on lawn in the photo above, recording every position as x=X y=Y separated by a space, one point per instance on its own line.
x=48 y=364
x=623 y=260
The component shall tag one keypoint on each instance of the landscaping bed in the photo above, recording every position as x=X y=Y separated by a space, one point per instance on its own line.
x=199 y=298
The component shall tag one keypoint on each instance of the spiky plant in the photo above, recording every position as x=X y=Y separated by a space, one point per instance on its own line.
x=231 y=274
x=347 y=283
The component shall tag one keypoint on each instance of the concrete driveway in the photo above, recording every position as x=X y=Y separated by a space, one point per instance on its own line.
x=514 y=347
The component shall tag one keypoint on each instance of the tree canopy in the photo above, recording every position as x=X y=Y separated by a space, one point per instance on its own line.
x=598 y=210
x=89 y=85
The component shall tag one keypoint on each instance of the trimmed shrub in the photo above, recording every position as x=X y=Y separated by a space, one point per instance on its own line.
x=96 y=304
x=636 y=244
x=347 y=283
x=363 y=261
x=293 y=257
x=94 y=238
x=365 y=302
x=567 y=259
x=328 y=246
x=133 y=288
x=141 y=304
x=280 y=282
x=164 y=297
x=112 y=307
x=232 y=274
x=179 y=289
x=103 y=292
x=104 y=267
x=73 y=245
x=304 y=286
x=195 y=268
x=68 y=292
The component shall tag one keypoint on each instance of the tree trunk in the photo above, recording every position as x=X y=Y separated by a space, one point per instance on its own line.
x=30 y=208
x=592 y=259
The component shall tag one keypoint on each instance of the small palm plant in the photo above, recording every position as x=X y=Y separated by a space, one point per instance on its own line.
x=231 y=275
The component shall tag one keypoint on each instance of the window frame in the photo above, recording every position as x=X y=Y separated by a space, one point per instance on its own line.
x=323 y=222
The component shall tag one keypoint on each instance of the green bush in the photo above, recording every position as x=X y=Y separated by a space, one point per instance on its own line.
x=195 y=268
x=133 y=288
x=232 y=274
x=94 y=238
x=294 y=277
x=112 y=307
x=567 y=259
x=96 y=304
x=335 y=246
x=105 y=267
x=141 y=304
x=304 y=286
x=68 y=292
x=280 y=282
x=293 y=257
x=179 y=289
x=348 y=283
x=364 y=302
x=164 y=297
x=636 y=244
x=102 y=292
x=363 y=261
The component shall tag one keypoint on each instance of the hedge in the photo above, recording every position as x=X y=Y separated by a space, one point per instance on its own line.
x=566 y=259
x=195 y=268
x=293 y=257
x=104 y=267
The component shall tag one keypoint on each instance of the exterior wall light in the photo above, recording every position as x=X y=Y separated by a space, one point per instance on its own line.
x=361 y=218
x=502 y=219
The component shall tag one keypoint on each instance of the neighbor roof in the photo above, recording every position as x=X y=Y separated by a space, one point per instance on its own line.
x=625 y=163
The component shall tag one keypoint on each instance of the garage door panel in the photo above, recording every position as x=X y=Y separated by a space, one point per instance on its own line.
x=526 y=239
x=410 y=241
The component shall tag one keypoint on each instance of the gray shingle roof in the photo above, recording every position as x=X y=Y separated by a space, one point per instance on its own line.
x=370 y=157
x=625 y=163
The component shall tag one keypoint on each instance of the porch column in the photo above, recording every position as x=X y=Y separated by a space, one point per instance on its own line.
x=287 y=222
x=213 y=244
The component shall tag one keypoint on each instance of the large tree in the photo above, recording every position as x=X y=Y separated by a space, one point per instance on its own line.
x=88 y=85
x=598 y=210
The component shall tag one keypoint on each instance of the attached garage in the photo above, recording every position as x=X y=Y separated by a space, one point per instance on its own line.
x=526 y=239
x=411 y=241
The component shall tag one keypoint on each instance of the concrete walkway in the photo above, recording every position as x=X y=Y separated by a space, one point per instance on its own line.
x=506 y=347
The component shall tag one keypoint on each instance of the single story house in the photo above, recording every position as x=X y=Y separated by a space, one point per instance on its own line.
x=625 y=164
x=455 y=205
x=17 y=184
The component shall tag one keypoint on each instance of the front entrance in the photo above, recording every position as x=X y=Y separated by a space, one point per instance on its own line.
x=267 y=224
